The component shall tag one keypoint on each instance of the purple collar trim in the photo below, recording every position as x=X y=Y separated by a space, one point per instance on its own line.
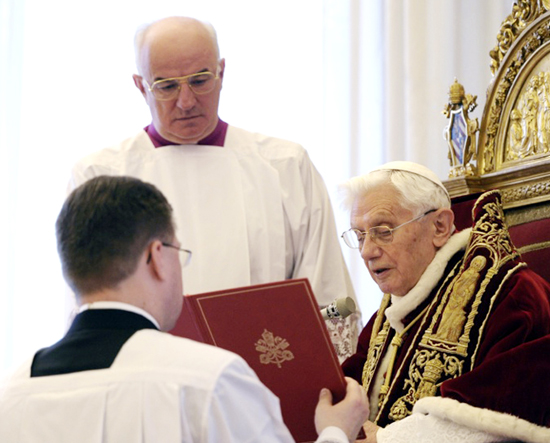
x=215 y=138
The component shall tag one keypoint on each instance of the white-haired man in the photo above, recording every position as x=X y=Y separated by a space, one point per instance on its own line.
x=454 y=351
x=255 y=206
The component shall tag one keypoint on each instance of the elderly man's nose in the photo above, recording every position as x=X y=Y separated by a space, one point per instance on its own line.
x=369 y=249
x=186 y=97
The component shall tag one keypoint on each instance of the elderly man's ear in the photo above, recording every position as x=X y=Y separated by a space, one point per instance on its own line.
x=443 y=226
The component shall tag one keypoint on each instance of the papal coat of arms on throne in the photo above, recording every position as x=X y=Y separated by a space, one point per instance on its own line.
x=460 y=133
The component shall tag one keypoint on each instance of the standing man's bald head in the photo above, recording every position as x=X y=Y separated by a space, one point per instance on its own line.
x=167 y=29
x=182 y=49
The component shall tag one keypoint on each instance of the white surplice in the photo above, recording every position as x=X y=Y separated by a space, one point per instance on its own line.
x=160 y=388
x=253 y=211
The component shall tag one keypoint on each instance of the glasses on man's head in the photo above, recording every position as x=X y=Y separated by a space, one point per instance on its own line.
x=185 y=254
x=169 y=88
x=380 y=235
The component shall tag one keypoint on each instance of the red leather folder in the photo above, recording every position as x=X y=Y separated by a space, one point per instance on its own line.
x=278 y=329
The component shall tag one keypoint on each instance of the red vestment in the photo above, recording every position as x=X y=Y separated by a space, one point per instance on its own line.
x=501 y=353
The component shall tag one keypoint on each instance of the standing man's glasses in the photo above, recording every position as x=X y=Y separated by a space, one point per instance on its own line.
x=169 y=88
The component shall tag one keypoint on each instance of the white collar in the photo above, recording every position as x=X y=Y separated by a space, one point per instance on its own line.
x=118 y=305
x=402 y=306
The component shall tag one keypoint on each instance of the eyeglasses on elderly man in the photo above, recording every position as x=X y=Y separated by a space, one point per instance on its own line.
x=380 y=235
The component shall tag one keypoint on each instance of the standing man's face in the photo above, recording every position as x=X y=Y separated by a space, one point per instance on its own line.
x=176 y=51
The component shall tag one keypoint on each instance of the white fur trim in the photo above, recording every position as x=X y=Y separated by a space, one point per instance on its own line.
x=485 y=420
x=401 y=306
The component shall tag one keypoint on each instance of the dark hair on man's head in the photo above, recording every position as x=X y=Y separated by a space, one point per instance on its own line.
x=104 y=227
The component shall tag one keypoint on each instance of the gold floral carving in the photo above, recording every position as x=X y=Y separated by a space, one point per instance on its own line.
x=524 y=192
x=523 y=13
x=273 y=350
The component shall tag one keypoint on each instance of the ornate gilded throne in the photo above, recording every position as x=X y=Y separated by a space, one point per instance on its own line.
x=510 y=149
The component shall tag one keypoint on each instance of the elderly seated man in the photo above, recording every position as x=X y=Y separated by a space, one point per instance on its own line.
x=458 y=350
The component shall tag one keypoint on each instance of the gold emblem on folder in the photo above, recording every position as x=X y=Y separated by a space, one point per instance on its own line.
x=273 y=350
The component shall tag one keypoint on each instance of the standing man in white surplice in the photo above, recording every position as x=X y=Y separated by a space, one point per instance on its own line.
x=260 y=210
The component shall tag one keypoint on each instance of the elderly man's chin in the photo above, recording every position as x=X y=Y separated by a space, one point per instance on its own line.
x=381 y=282
x=187 y=133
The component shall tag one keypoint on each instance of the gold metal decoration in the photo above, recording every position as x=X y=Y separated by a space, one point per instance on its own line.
x=491 y=144
x=461 y=131
x=513 y=141
x=536 y=190
x=529 y=131
x=523 y=13
x=273 y=349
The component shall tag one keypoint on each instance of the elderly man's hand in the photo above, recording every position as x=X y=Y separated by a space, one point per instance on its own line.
x=349 y=414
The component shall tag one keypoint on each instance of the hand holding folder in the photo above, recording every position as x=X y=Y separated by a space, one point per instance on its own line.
x=278 y=329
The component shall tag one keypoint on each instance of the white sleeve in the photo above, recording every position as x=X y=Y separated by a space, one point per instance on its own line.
x=317 y=251
x=242 y=409
x=332 y=434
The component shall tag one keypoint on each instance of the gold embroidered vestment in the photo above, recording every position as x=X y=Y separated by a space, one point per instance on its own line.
x=444 y=341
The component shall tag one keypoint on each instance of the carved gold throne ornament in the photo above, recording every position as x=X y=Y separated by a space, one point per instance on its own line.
x=273 y=350
x=512 y=149
x=529 y=132
x=460 y=134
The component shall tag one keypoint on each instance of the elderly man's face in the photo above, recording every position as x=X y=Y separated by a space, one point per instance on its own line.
x=396 y=267
x=176 y=53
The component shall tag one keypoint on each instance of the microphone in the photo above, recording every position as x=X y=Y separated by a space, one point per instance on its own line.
x=339 y=308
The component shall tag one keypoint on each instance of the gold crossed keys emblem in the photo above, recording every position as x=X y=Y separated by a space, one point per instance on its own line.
x=273 y=350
